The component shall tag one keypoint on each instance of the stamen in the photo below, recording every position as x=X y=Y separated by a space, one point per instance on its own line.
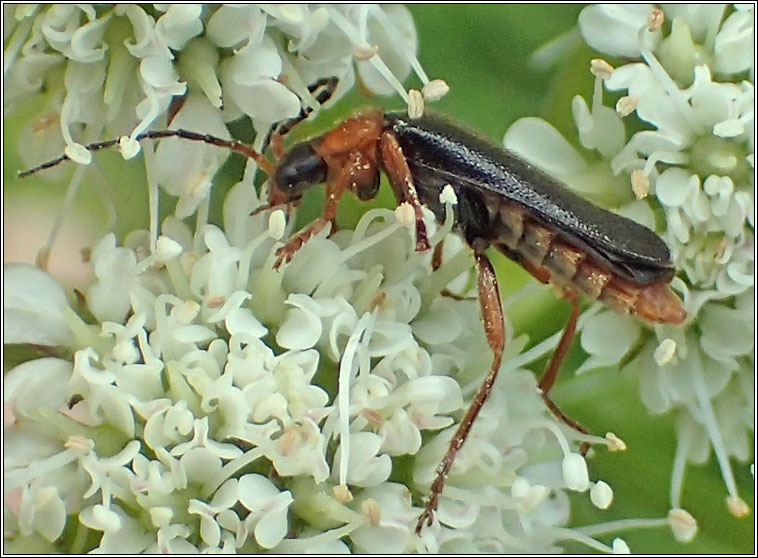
x=435 y=90
x=671 y=157
x=599 y=529
x=405 y=215
x=597 y=95
x=365 y=52
x=664 y=352
x=614 y=442
x=346 y=372
x=233 y=466
x=166 y=249
x=600 y=68
x=277 y=223
x=682 y=524
x=393 y=32
x=690 y=119
x=129 y=147
x=601 y=495
x=371 y=511
x=737 y=506
x=304 y=545
x=626 y=105
x=449 y=199
x=79 y=444
x=342 y=493
x=640 y=184
x=655 y=20
x=78 y=153
x=359 y=41
x=620 y=547
x=711 y=425
x=580 y=536
x=448 y=196
x=65 y=206
x=548 y=344
x=575 y=473
x=415 y=104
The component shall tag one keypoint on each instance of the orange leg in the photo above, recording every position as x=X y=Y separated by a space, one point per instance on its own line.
x=349 y=175
x=553 y=367
x=559 y=355
x=277 y=144
x=437 y=256
x=396 y=167
x=494 y=327
x=322 y=91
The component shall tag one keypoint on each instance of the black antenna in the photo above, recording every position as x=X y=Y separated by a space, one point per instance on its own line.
x=327 y=86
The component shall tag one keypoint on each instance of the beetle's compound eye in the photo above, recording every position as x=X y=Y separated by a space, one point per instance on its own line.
x=300 y=168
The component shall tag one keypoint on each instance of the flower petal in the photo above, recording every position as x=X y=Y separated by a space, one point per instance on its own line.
x=33 y=308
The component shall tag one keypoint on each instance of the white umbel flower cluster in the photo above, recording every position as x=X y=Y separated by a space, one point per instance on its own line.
x=196 y=399
x=690 y=83
x=191 y=398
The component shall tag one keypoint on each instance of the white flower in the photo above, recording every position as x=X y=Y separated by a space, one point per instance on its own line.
x=268 y=509
x=696 y=155
x=735 y=35
x=35 y=307
x=232 y=408
x=389 y=519
x=626 y=22
x=179 y=378
x=198 y=161
x=250 y=75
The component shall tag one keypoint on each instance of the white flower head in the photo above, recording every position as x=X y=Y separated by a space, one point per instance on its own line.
x=203 y=362
x=695 y=155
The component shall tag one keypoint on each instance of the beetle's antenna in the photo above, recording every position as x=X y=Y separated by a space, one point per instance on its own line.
x=327 y=87
x=232 y=145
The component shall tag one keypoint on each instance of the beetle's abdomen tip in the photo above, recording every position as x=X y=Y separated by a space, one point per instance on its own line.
x=658 y=303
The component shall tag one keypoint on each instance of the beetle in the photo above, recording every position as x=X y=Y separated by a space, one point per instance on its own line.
x=503 y=202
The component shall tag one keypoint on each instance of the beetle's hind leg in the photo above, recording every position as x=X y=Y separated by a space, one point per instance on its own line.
x=551 y=372
x=494 y=327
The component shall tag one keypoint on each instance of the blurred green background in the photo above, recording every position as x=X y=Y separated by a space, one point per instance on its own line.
x=484 y=53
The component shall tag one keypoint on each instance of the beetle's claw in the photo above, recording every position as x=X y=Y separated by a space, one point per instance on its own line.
x=282 y=257
x=427 y=516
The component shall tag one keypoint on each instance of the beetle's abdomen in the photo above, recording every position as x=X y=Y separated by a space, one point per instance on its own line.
x=547 y=256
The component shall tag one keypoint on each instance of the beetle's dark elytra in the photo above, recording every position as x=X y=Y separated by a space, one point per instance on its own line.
x=440 y=152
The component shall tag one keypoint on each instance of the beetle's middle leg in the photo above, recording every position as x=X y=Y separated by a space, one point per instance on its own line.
x=396 y=167
x=494 y=327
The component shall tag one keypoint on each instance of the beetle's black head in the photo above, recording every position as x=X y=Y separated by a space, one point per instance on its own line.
x=300 y=168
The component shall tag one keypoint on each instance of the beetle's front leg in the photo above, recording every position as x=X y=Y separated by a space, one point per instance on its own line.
x=349 y=176
x=399 y=174
x=494 y=328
